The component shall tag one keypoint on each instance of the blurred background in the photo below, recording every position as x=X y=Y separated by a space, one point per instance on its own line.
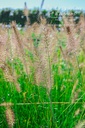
x=52 y=10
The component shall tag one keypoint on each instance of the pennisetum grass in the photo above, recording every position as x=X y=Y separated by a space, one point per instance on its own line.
x=47 y=69
x=10 y=116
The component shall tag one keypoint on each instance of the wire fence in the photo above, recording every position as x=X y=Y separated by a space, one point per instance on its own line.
x=38 y=103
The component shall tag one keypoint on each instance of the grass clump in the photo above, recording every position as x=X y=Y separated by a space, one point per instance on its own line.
x=42 y=79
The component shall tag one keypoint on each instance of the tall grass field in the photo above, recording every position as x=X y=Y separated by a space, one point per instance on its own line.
x=42 y=75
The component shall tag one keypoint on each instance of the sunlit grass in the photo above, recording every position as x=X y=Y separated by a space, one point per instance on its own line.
x=51 y=94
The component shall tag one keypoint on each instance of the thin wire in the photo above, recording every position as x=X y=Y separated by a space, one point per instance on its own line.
x=37 y=103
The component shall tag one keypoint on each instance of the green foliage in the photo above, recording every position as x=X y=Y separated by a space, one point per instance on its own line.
x=36 y=39
x=7 y=15
x=40 y=109
x=36 y=107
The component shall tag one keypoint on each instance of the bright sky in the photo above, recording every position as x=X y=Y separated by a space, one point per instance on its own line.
x=48 y=4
